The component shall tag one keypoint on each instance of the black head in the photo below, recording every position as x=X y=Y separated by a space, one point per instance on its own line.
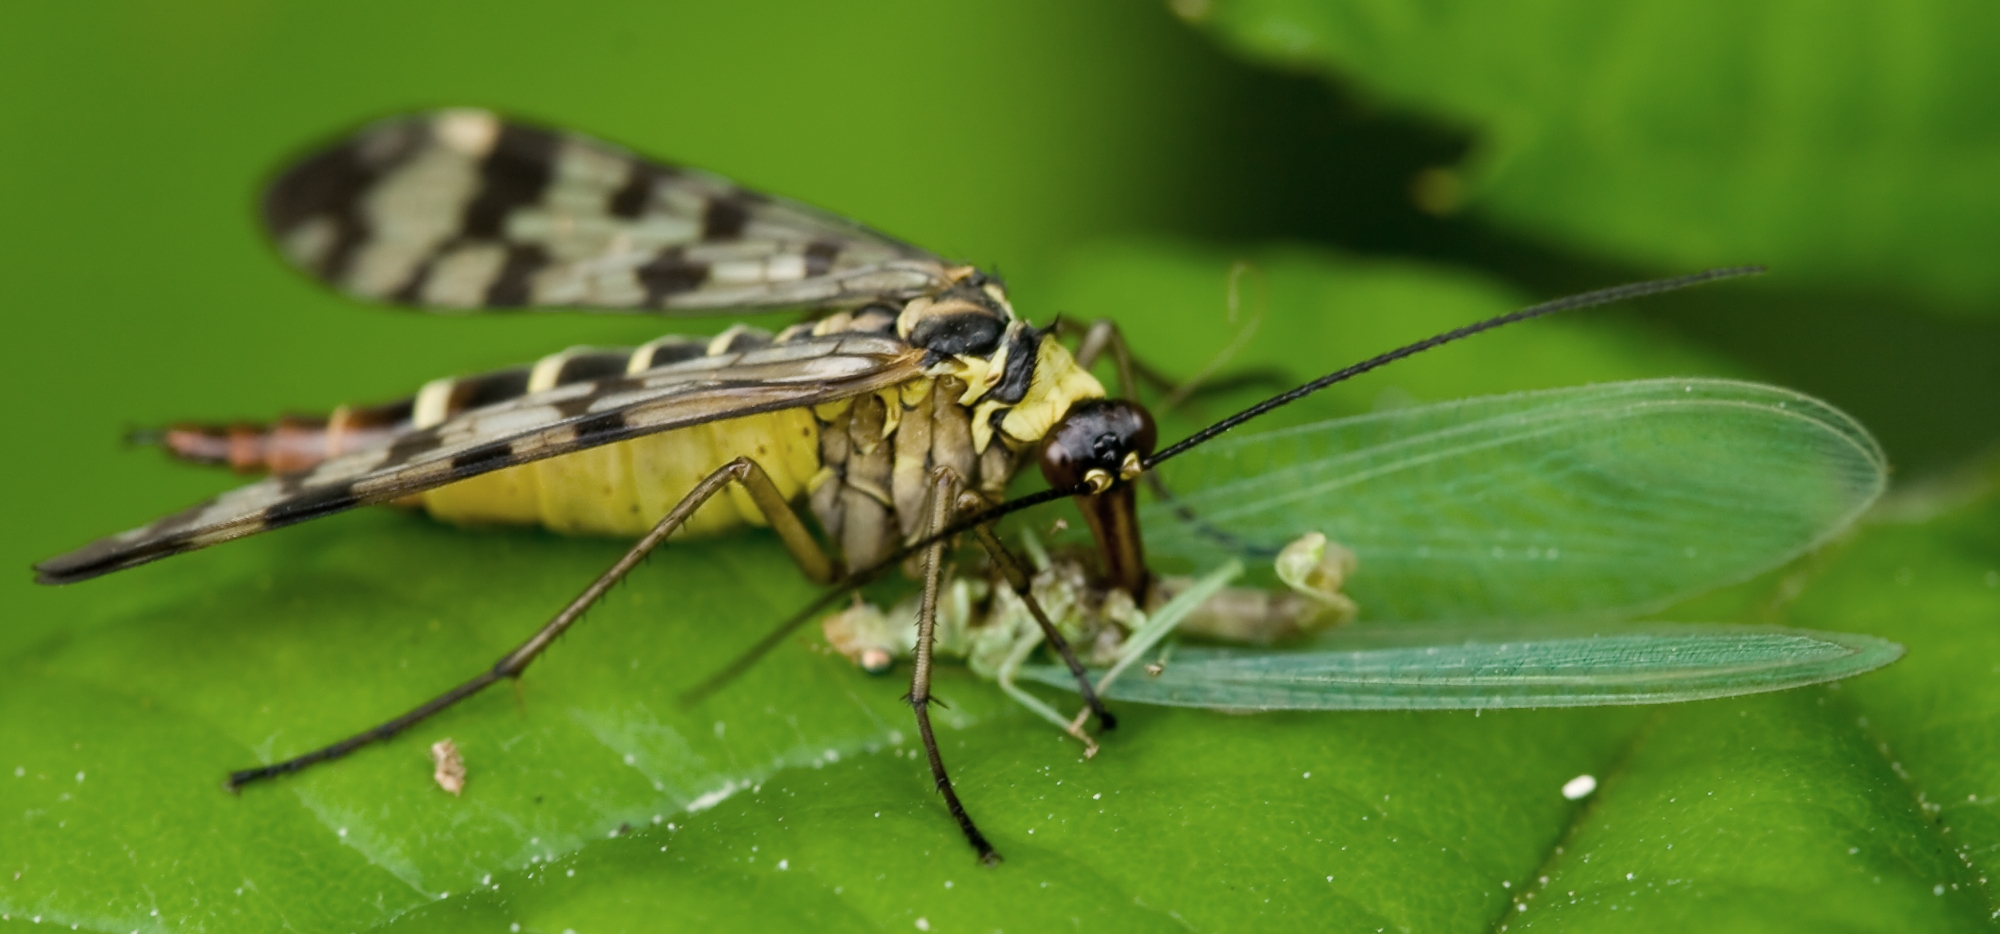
x=1098 y=442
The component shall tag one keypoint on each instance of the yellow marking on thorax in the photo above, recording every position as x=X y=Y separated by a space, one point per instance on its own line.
x=1058 y=383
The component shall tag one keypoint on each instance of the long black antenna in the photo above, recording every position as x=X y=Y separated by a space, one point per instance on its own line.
x=1617 y=293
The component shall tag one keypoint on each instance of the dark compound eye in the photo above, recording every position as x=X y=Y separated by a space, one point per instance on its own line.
x=1107 y=435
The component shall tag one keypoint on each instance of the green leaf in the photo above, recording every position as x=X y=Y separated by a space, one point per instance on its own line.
x=1927 y=572
x=1848 y=146
x=801 y=810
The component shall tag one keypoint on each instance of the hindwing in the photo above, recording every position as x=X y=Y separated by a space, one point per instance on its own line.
x=461 y=209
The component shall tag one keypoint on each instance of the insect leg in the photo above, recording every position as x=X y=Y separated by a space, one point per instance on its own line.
x=1017 y=578
x=743 y=470
x=1103 y=336
x=943 y=491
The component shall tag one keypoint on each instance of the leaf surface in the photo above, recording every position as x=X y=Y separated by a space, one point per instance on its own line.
x=1843 y=146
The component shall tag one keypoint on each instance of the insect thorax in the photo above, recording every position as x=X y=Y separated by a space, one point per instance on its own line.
x=991 y=387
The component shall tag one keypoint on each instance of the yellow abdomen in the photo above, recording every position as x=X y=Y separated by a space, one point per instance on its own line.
x=624 y=489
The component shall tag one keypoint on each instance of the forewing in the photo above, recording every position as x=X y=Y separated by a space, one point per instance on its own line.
x=1588 y=502
x=532 y=427
x=1406 y=668
x=460 y=210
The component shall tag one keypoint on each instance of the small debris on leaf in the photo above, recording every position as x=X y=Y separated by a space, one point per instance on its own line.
x=450 y=766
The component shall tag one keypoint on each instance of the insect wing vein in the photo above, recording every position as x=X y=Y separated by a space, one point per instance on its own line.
x=1584 y=502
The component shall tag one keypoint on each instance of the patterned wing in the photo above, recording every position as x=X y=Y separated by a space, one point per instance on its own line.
x=459 y=209
x=531 y=427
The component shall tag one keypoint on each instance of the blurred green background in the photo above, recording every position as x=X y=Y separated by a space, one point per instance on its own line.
x=1390 y=170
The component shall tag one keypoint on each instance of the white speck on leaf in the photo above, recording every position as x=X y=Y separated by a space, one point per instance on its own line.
x=1580 y=787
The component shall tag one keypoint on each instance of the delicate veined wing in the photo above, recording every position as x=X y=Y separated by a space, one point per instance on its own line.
x=1572 y=503
x=1438 y=668
x=531 y=427
x=459 y=209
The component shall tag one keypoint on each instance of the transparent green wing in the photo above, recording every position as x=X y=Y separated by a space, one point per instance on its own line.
x=1438 y=668
x=1581 y=503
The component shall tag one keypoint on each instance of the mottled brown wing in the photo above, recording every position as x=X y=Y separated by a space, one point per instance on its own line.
x=462 y=210
x=545 y=424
